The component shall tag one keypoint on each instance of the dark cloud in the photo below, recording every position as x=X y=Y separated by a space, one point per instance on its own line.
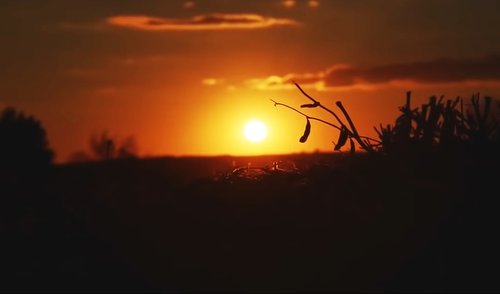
x=198 y=23
x=428 y=72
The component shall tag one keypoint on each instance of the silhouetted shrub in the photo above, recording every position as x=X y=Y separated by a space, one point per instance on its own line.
x=102 y=146
x=128 y=148
x=437 y=126
x=23 y=142
x=443 y=126
x=105 y=147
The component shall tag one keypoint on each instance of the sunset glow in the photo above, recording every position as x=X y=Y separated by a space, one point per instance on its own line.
x=184 y=77
x=251 y=145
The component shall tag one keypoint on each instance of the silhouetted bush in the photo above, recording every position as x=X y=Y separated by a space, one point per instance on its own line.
x=23 y=142
x=437 y=126
x=105 y=147
x=443 y=126
x=128 y=148
x=102 y=146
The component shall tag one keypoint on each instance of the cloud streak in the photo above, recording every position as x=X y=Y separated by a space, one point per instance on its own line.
x=212 y=82
x=198 y=23
x=439 y=71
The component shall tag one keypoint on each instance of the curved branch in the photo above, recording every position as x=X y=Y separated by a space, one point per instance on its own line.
x=319 y=104
x=356 y=136
x=305 y=115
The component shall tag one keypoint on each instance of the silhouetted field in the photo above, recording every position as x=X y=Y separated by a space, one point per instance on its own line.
x=329 y=223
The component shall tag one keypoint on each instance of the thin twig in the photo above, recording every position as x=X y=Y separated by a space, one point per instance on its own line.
x=319 y=104
x=353 y=132
x=370 y=139
x=305 y=115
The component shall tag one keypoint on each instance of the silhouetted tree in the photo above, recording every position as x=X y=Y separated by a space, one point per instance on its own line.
x=25 y=159
x=128 y=148
x=105 y=147
x=23 y=142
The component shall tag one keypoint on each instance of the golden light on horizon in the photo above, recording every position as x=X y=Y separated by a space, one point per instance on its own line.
x=255 y=131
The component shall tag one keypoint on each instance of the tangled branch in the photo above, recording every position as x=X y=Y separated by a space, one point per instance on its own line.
x=347 y=132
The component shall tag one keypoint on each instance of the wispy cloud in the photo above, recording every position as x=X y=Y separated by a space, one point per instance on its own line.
x=439 y=71
x=198 y=23
x=275 y=82
x=288 y=3
x=313 y=3
x=213 y=82
x=189 y=4
x=293 y=3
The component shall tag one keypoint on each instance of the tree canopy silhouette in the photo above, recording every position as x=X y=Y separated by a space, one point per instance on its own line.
x=23 y=142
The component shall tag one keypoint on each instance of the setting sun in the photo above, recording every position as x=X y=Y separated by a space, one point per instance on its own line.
x=255 y=131
x=306 y=145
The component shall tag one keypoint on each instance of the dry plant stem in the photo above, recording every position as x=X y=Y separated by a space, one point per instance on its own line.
x=320 y=120
x=305 y=115
x=356 y=136
x=319 y=104
x=371 y=139
x=352 y=132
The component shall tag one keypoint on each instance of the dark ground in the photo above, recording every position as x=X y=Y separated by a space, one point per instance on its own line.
x=339 y=223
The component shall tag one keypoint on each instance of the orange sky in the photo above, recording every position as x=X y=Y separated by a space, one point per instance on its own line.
x=183 y=77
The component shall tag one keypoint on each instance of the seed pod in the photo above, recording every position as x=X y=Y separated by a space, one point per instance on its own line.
x=315 y=104
x=342 y=139
x=307 y=131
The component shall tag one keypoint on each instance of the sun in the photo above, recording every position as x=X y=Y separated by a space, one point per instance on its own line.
x=255 y=131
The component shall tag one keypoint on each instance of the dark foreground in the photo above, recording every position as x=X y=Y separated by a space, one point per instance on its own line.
x=339 y=223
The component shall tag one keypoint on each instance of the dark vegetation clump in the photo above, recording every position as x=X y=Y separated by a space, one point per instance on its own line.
x=44 y=245
x=433 y=174
x=471 y=127
x=445 y=126
x=104 y=147
x=23 y=143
